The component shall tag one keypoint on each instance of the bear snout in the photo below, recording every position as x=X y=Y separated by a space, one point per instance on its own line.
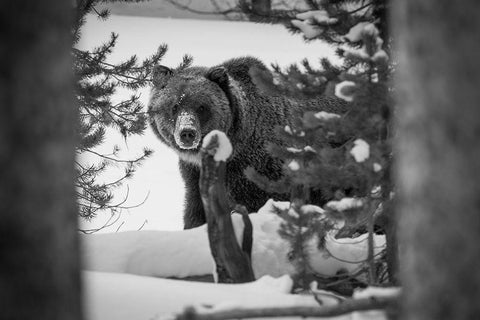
x=187 y=133
x=188 y=136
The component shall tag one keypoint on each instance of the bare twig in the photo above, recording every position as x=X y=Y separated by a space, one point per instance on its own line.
x=372 y=278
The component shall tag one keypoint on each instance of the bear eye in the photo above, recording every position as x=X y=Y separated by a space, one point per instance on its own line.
x=202 y=109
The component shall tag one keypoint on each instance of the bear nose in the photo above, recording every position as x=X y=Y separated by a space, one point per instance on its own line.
x=187 y=136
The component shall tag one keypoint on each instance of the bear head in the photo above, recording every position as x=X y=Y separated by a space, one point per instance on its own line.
x=186 y=105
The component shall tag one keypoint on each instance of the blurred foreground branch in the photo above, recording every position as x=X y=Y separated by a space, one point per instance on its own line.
x=348 y=306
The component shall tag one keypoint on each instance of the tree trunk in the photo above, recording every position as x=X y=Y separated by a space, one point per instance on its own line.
x=438 y=155
x=262 y=7
x=39 y=276
x=232 y=262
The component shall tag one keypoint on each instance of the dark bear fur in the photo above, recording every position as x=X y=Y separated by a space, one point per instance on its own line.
x=225 y=98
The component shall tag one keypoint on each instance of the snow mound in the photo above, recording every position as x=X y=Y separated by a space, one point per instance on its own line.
x=187 y=253
x=224 y=149
x=151 y=253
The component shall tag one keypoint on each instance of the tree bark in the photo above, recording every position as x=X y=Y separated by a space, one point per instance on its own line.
x=438 y=155
x=262 y=7
x=39 y=275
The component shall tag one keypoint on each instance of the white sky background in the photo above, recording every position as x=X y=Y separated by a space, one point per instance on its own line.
x=210 y=43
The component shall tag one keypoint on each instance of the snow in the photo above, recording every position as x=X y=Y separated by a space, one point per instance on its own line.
x=310 y=31
x=294 y=150
x=377 y=167
x=344 y=204
x=224 y=149
x=359 y=32
x=361 y=150
x=380 y=56
x=343 y=86
x=150 y=253
x=288 y=130
x=127 y=297
x=310 y=208
x=119 y=282
x=319 y=16
x=293 y=165
x=308 y=22
x=355 y=32
x=376 y=191
x=322 y=115
x=360 y=53
x=157 y=182
x=370 y=30
x=186 y=253
x=309 y=149
x=293 y=213
x=377 y=292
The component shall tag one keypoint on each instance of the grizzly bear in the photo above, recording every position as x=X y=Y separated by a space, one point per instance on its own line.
x=187 y=104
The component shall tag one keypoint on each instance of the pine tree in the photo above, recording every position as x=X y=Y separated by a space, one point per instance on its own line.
x=346 y=156
x=97 y=82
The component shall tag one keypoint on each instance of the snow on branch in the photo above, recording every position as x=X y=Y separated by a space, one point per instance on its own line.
x=347 y=306
x=361 y=150
x=218 y=144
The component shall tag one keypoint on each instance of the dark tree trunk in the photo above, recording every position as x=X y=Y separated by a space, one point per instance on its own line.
x=39 y=276
x=262 y=7
x=439 y=157
x=232 y=261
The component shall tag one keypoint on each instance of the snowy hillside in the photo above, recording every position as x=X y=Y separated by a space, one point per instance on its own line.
x=210 y=43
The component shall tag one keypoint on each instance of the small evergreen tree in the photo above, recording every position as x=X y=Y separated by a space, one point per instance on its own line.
x=346 y=156
x=97 y=81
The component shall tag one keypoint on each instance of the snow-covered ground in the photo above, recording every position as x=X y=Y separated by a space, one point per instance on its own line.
x=210 y=43
x=187 y=253
x=123 y=281
x=130 y=297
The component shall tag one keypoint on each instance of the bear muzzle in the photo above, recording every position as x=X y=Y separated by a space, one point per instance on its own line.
x=187 y=134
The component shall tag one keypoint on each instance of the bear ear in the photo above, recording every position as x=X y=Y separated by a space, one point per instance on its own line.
x=161 y=75
x=218 y=75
